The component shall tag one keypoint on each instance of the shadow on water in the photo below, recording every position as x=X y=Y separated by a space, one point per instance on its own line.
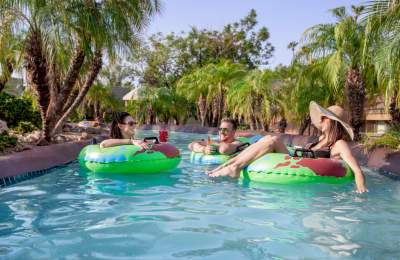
x=128 y=185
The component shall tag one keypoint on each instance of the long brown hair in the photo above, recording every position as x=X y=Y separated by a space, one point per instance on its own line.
x=336 y=132
x=118 y=118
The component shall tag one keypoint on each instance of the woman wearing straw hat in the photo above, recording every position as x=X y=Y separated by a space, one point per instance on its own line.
x=332 y=122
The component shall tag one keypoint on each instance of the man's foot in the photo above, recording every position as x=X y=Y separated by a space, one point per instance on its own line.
x=229 y=170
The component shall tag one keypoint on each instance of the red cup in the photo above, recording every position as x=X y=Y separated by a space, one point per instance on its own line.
x=163 y=134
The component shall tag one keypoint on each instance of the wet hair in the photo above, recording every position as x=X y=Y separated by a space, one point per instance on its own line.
x=231 y=121
x=336 y=132
x=118 y=118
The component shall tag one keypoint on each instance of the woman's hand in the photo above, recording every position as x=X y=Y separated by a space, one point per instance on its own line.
x=346 y=155
x=140 y=143
x=360 y=185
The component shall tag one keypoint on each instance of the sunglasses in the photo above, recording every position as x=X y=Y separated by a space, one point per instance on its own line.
x=130 y=123
x=226 y=130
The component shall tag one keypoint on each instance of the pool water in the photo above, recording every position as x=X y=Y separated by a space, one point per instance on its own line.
x=68 y=214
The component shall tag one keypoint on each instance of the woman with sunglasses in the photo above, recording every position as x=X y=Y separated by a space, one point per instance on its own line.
x=122 y=132
x=331 y=144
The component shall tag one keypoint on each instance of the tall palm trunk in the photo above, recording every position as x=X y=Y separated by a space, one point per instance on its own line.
x=355 y=92
x=215 y=111
x=60 y=92
x=37 y=73
x=282 y=125
x=265 y=125
x=221 y=111
x=91 y=76
x=394 y=111
x=304 y=124
x=6 y=74
x=202 y=104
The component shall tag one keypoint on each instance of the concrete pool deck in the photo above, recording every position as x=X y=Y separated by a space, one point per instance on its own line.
x=42 y=158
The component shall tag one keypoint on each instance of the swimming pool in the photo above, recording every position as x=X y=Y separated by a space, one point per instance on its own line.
x=69 y=214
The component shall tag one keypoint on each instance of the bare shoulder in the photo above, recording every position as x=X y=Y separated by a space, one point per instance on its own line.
x=341 y=145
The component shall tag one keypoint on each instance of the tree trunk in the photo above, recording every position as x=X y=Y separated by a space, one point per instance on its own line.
x=61 y=92
x=394 y=112
x=37 y=73
x=253 y=122
x=215 y=109
x=304 y=124
x=282 y=125
x=91 y=76
x=265 y=126
x=6 y=74
x=355 y=92
x=202 y=104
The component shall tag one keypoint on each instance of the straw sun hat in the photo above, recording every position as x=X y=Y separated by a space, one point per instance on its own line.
x=333 y=112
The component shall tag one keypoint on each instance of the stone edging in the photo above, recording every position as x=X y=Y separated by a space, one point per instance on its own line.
x=27 y=164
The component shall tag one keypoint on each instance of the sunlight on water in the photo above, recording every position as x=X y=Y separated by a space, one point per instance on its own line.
x=184 y=214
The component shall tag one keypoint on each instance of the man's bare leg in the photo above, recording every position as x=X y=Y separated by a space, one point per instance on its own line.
x=233 y=167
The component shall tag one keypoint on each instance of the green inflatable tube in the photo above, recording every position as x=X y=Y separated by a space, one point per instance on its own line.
x=129 y=159
x=284 y=169
x=214 y=159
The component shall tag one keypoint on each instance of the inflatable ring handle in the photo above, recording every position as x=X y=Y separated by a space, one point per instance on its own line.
x=240 y=147
x=151 y=138
x=304 y=151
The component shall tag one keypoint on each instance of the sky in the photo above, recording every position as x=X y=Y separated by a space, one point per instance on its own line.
x=286 y=20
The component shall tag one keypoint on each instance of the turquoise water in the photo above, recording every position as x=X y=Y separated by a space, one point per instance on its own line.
x=68 y=214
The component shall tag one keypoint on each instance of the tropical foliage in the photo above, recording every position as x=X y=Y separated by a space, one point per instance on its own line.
x=64 y=42
x=15 y=110
x=205 y=74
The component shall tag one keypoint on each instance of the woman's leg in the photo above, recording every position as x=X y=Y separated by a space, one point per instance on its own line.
x=265 y=145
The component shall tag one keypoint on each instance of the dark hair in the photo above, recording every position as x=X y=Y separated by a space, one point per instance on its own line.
x=337 y=132
x=118 y=118
x=231 y=121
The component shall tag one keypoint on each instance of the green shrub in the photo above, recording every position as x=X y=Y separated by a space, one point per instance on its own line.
x=243 y=127
x=14 y=110
x=390 y=140
x=7 y=141
x=24 y=127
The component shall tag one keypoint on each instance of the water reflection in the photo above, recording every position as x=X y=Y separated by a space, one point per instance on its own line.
x=129 y=185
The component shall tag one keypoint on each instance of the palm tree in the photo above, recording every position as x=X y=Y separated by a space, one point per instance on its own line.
x=383 y=34
x=221 y=77
x=101 y=99
x=195 y=87
x=64 y=41
x=10 y=50
x=251 y=98
x=292 y=46
x=341 y=45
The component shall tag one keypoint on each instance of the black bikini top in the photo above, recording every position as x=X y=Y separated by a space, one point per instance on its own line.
x=324 y=152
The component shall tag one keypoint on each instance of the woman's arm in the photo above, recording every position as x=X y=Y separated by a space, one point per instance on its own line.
x=345 y=153
x=116 y=142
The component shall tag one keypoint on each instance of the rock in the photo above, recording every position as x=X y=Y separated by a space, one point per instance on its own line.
x=32 y=137
x=92 y=130
x=84 y=135
x=60 y=139
x=3 y=127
